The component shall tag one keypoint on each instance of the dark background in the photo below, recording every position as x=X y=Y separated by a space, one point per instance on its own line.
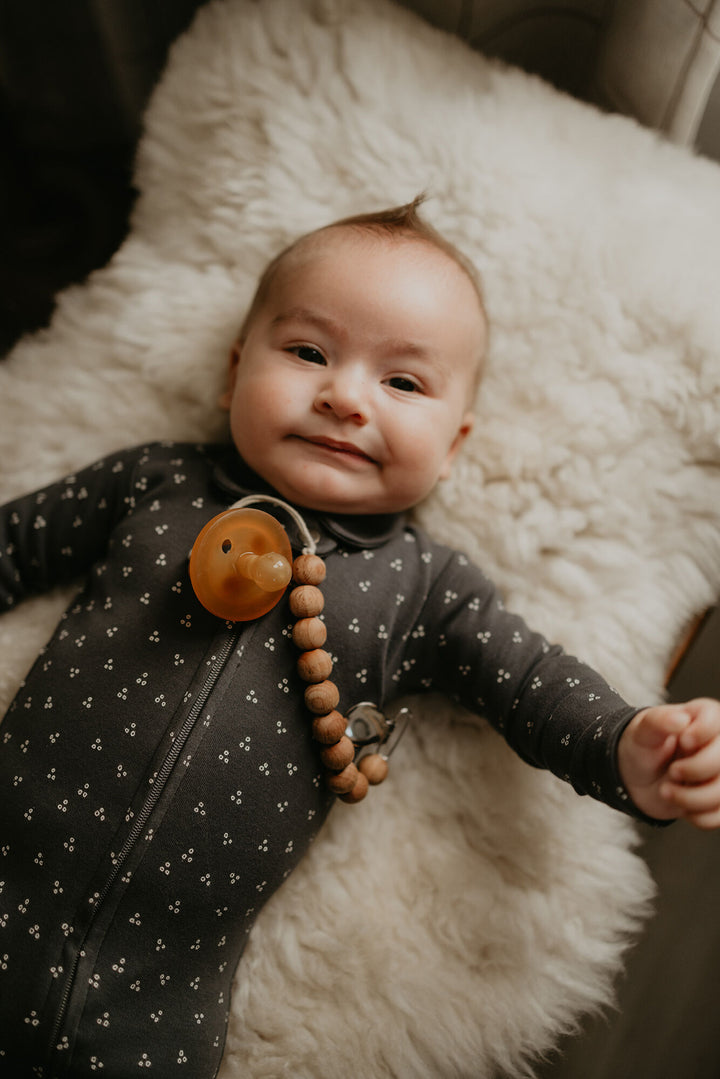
x=75 y=76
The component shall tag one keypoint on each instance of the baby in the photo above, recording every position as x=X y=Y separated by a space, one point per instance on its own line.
x=158 y=779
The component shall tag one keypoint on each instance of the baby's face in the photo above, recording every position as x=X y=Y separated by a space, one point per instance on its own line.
x=351 y=392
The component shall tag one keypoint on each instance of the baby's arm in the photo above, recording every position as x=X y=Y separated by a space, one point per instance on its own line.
x=669 y=761
x=52 y=536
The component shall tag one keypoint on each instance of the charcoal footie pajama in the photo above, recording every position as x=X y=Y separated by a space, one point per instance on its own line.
x=158 y=781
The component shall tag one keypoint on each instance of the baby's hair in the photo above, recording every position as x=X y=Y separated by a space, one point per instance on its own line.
x=397 y=221
x=406 y=221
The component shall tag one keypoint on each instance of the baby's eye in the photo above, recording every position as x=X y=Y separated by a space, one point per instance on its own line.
x=307 y=353
x=399 y=382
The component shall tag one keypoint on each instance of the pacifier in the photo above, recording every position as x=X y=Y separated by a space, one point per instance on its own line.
x=240 y=564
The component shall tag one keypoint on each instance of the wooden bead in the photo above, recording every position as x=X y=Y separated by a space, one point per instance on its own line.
x=306 y=601
x=308 y=569
x=315 y=666
x=329 y=729
x=338 y=756
x=322 y=697
x=309 y=633
x=358 y=792
x=374 y=768
x=342 y=782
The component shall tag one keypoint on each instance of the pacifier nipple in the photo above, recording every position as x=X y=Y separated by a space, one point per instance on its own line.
x=240 y=564
x=269 y=571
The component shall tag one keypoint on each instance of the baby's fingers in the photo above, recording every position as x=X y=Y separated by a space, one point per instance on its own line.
x=653 y=726
x=694 y=802
x=700 y=767
x=704 y=725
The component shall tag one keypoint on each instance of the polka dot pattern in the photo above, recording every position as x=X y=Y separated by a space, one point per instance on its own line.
x=158 y=776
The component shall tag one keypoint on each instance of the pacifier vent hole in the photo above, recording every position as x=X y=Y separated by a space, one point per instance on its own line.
x=226 y=546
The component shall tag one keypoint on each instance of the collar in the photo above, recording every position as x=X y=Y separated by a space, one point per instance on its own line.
x=233 y=477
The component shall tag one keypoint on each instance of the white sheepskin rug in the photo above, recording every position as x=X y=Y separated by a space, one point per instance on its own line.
x=472 y=908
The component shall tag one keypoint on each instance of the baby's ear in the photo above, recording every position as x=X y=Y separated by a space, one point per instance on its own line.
x=225 y=399
x=463 y=431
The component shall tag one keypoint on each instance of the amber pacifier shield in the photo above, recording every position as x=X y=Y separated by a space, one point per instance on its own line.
x=221 y=556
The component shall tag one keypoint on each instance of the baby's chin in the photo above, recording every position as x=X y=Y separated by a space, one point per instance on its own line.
x=341 y=506
x=328 y=491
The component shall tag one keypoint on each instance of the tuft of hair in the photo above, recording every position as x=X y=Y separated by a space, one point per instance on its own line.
x=405 y=220
x=395 y=221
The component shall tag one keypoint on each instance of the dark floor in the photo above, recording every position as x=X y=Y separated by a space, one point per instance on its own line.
x=667 y=1024
x=62 y=216
x=74 y=81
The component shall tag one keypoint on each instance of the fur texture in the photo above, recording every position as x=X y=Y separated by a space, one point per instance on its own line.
x=472 y=908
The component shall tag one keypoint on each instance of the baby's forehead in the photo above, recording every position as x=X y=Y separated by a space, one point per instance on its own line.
x=324 y=245
x=335 y=240
x=339 y=241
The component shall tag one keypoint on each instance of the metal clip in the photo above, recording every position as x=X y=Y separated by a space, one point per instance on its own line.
x=371 y=730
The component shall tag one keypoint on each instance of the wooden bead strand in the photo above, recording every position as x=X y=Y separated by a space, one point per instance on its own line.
x=344 y=778
x=239 y=569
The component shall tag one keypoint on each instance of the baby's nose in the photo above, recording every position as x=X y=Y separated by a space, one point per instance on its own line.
x=345 y=395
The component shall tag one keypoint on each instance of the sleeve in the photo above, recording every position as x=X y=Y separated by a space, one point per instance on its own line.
x=553 y=710
x=53 y=535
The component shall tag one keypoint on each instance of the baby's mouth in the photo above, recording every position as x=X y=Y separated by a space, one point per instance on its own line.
x=348 y=449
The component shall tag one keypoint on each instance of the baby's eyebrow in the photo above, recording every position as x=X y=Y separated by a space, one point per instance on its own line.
x=401 y=347
x=304 y=314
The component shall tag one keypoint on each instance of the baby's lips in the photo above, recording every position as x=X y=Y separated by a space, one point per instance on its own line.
x=340 y=446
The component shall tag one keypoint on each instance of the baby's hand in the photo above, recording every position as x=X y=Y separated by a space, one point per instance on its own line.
x=669 y=760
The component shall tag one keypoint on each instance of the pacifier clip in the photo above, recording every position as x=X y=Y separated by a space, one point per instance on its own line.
x=240 y=567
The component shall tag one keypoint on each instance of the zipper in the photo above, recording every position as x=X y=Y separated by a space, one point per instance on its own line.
x=138 y=827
